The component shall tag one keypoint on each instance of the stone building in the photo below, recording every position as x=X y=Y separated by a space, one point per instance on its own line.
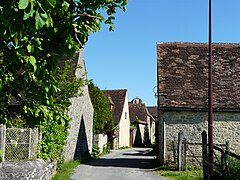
x=152 y=112
x=142 y=124
x=79 y=141
x=182 y=73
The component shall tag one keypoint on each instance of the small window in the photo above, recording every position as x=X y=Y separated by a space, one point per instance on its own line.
x=125 y=115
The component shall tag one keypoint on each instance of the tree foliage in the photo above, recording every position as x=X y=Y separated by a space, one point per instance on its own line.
x=102 y=118
x=34 y=35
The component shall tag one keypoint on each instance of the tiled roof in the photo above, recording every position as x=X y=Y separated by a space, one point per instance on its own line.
x=152 y=110
x=183 y=75
x=118 y=99
x=137 y=111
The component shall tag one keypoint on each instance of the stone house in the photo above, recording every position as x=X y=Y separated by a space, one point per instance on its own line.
x=182 y=73
x=142 y=124
x=152 y=112
x=79 y=141
x=120 y=110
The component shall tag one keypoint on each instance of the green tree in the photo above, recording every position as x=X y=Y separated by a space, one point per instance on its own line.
x=102 y=118
x=34 y=36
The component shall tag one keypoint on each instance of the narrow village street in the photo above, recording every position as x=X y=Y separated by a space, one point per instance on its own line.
x=128 y=164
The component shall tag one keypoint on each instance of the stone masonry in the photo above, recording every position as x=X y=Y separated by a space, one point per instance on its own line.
x=28 y=170
x=183 y=94
x=192 y=124
x=79 y=142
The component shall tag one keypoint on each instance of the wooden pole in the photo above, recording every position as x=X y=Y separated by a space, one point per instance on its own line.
x=180 y=139
x=210 y=95
x=205 y=155
x=184 y=167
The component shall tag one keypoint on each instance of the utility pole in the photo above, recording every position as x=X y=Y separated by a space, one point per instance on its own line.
x=210 y=95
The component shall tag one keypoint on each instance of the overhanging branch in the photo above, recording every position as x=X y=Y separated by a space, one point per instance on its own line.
x=91 y=16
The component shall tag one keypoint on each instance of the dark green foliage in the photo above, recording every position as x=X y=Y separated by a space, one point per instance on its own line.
x=106 y=148
x=34 y=36
x=234 y=168
x=102 y=118
x=95 y=152
x=54 y=117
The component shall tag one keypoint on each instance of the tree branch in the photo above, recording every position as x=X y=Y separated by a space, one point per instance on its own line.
x=91 y=16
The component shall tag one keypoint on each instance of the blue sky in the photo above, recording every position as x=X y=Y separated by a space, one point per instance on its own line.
x=127 y=57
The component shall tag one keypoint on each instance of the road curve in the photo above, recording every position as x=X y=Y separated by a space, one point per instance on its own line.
x=128 y=164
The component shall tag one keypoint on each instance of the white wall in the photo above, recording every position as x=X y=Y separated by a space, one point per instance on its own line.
x=124 y=125
x=100 y=140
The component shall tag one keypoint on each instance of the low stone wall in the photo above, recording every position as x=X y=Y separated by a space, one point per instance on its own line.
x=28 y=170
x=192 y=123
x=100 y=140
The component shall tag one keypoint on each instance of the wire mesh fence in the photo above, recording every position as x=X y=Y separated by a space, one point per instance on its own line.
x=18 y=144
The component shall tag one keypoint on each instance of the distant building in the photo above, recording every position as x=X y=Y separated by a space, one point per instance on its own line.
x=142 y=124
x=119 y=105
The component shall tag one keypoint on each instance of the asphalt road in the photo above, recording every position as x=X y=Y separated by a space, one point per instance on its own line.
x=128 y=164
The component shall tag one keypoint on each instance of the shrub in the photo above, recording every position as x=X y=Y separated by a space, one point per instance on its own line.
x=95 y=152
x=234 y=168
x=106 y=148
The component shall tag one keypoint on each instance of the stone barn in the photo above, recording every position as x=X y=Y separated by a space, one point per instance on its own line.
x=182 y=74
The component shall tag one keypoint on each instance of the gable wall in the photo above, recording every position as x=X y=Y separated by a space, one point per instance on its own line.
x=80 y=136
x=124 y=125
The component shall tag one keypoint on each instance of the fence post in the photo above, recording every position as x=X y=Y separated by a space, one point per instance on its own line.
x=30 y=144
x=204 y=155
x=227 y=149
x=2 y=140
x=227 y=158
x=180 y=139
x=184 y=154
x=223 y=160
x=174 y=144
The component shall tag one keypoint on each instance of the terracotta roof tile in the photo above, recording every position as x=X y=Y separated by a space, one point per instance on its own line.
x=118 y=99
x=152 y=110
x=137 y=111
x=183 y=75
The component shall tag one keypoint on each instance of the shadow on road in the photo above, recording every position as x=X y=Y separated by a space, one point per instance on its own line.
x=141 y=153
x=141 y=159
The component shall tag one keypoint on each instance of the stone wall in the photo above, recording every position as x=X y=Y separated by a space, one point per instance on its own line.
x=192 y=123
x=100 y=140
x=28 y=170
x=79 y=142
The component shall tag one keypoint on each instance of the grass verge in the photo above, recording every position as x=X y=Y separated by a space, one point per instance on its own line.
x=171 y=173
x=66 y=170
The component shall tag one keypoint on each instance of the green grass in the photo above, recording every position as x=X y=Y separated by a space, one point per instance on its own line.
x=171 y=173
x=123 y=147
x=66 y=170
x=234 y=167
